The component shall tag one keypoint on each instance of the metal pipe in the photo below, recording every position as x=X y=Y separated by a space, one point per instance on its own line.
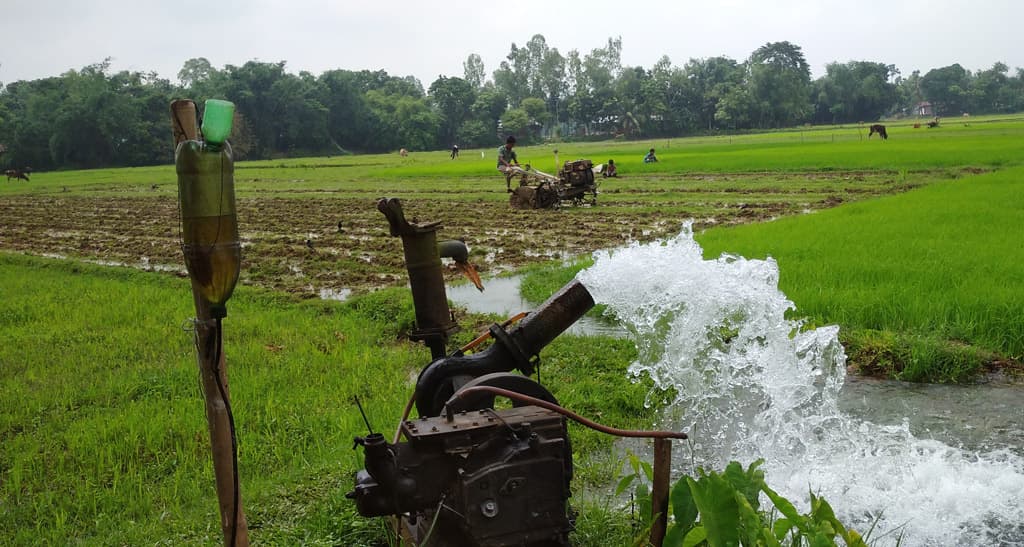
x=569 y=414
x=659 y=490
x=434 y=323
x=515 y=349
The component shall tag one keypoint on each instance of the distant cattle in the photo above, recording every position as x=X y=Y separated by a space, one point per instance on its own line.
x=933 y=123
x=878 y=128
x=403 y=152
x=17 y=174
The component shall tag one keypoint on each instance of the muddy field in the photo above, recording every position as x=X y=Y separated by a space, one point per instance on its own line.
x=333 y=243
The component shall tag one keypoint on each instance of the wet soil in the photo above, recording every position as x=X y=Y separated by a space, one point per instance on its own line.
x=340 y=243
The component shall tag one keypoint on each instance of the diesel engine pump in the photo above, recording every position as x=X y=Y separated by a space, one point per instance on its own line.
x=468 y=474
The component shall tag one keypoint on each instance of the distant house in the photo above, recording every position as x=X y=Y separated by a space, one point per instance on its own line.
x=924 y=109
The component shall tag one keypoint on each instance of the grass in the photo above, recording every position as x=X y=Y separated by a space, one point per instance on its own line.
x=987 y=142
x=103 y=428
x=102 y=421
x=926 y=285
x=102 y=433
x=938 y=268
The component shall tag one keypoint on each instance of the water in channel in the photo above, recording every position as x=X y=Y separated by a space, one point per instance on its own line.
x=751 y=384
x=944 y=465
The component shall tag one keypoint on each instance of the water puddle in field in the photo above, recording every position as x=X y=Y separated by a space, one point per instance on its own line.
x=942 y=464
x=339 y=295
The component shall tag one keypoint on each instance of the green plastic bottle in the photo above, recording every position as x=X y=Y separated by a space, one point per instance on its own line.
x=218 y=116
x=209 y=223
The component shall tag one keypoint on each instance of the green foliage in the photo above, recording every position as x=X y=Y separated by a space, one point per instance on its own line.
x=948 y=89
x=854 y=91
x=515 y=121
x=453 y=97
x=723 y=510
x=779 y=80
x=939 y=299
x=104 y=434
x=91 y=118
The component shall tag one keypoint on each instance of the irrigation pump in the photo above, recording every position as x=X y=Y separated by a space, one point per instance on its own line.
x=470 y=474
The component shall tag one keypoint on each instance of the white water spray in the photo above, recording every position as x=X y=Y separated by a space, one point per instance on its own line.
x=748 y=383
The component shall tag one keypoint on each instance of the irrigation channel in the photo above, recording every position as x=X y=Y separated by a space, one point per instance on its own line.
x=943 y=465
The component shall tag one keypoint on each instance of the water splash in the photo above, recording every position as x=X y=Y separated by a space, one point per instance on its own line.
x=748 y=382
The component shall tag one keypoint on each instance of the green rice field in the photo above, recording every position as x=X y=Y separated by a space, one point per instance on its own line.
x=912 y=246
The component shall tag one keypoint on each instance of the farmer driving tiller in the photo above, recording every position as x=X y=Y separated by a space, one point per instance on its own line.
x=539 y=190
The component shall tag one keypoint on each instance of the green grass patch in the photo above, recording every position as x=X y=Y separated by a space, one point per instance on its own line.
x=102 y=420
x=938 y=268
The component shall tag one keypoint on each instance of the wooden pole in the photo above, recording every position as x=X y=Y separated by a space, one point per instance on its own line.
x=183 y=121
x=213 y=369
x=214 y=376
x=659 y=490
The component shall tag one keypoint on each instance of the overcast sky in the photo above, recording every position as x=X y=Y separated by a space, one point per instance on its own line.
x=431 y=38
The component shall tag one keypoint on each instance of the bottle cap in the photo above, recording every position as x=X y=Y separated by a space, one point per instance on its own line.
x=218 y=116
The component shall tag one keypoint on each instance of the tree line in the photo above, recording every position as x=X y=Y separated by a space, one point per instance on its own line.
x=92 y=117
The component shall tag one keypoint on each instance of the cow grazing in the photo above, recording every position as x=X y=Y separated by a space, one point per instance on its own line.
x=16 y=174
x=878 y=128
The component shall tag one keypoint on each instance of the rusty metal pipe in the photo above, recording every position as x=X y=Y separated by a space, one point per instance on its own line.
x=434 y=323
x=515 y=349
x=659 y=489
x=569 y=414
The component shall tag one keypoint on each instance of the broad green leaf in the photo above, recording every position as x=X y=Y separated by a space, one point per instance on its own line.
x=683 y=507
x=786 y=508
x=716 y=501
x=853 y=539
x=675 y=536
x=782 y=527
x=697 y=536
x=748 y=482
x=750 y=520
x=766 y=539
x=822 y=540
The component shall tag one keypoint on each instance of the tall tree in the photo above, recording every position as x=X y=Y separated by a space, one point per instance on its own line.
x=552 y=81
x=348 y=115
x=707 y=82
x=473 y=71
x=948 y=89
x=490 y=104
x=251 y=88
x=989 y=90
x=453 y=97
x=855 y=91
x=512 y=77
x=780 y=82
x=301 y=115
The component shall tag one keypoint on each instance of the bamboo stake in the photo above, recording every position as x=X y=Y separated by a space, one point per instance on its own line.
x=213 y=373
x=183 y=121
x=210 y=353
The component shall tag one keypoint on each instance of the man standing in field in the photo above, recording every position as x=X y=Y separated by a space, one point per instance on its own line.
x=507 y=161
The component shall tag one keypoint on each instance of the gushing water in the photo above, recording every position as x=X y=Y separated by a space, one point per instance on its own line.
x=747 y=382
